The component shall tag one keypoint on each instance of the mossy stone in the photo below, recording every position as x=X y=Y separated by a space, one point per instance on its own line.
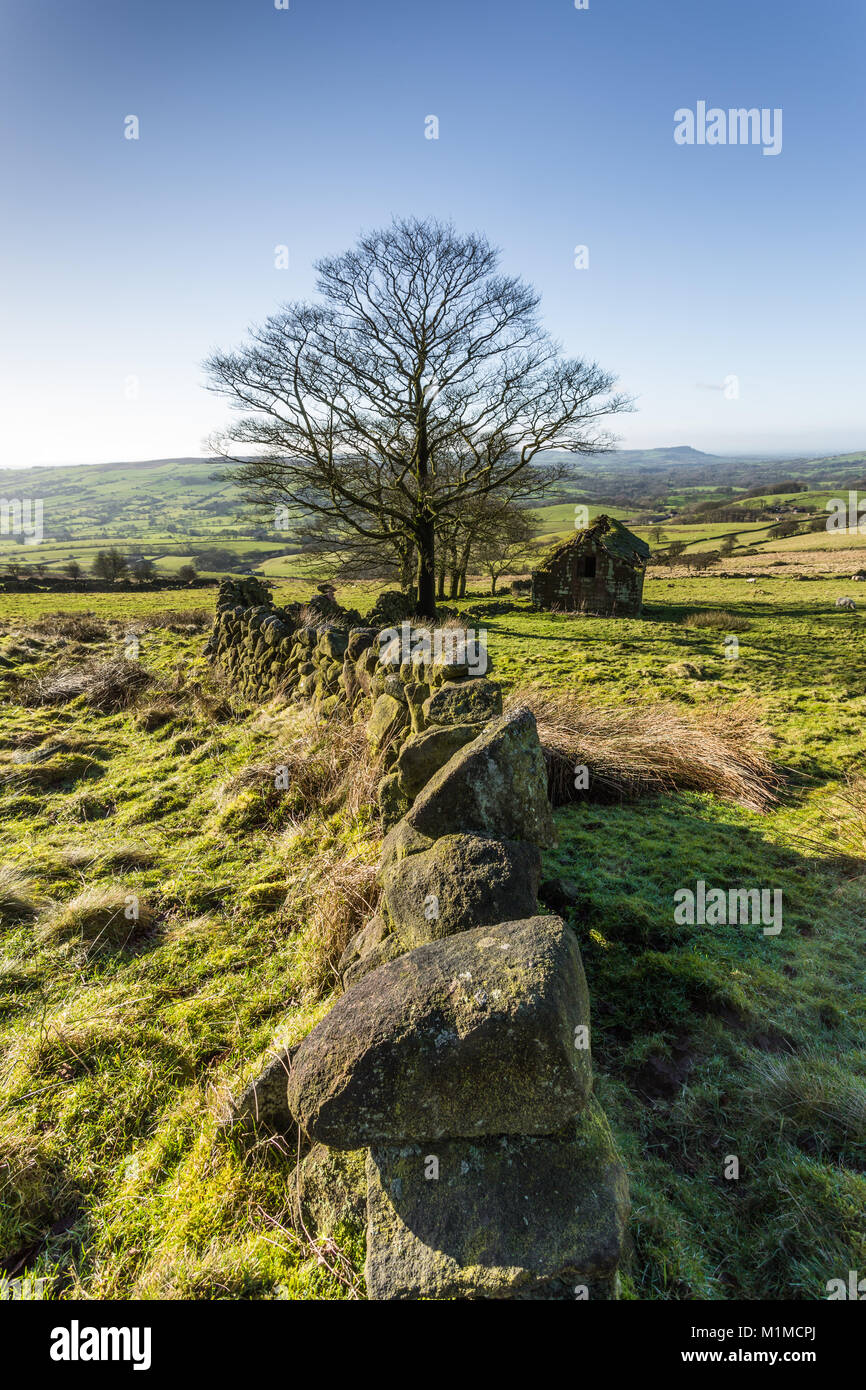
x=506 y=1217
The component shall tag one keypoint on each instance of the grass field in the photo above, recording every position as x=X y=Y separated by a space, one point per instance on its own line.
x=173 y=510
x=121 y=1039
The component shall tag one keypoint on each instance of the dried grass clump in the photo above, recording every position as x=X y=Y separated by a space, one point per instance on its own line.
x=129 y=855
x=107 y=686
x=98 y=918
x=157 y=713
x=76 y=627
x=715 y=618
x=80 y=856
x=18 y=903
x=346 y=894
x=309 y=617
x=181 y=619
x=325 y=767
x=815 y=1094
x=633 y=750
x=851 y=825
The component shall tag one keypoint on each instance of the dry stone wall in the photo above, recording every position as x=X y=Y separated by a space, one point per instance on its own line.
x=457 y=1059
x=421 y=694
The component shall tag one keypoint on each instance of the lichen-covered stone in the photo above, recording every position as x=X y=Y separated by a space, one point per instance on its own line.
x=478 y=1033
x=506 y=1217
x=400 y=842
x=424 y=753
x=462 y=881
x=333 y=642
x=393 y=802
x=496 y=785
x=385 y=950
x=360 y=640
x=387 y=718
x=370 y=935
x=329 y=1188
x=464 y=702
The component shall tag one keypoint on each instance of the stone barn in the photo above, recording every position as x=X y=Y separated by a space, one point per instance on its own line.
x=600 y=570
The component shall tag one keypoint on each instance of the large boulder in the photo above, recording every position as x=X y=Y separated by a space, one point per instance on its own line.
x=333 y=642
x=387 y=718
x=505 y=1217
x=479 y=1033
x=464 y=702
x=462 y=881
x=424 y=753
x=496 y=785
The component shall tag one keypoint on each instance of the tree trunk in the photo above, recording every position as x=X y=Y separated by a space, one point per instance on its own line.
x=425 y=606
x=440 y=579
x=406 y=570
x=493 y=579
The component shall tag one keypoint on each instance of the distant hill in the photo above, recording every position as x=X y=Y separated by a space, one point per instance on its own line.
x=171 y=509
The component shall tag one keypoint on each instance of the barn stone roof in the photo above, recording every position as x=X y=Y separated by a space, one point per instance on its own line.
x=608 y=534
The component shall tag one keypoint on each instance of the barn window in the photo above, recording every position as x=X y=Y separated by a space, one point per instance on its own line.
x=589 y=567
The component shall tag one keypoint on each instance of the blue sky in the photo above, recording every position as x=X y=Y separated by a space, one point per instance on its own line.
x=125 y=262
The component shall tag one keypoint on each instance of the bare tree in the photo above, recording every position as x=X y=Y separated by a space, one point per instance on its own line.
x=420 y=355
x=505 y=541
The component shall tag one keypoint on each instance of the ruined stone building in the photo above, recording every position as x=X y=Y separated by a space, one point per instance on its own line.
x=599 y=570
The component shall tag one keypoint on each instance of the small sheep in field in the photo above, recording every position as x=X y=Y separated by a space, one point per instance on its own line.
x=846 y=603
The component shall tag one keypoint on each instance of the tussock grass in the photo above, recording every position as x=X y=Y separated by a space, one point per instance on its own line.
x=853 y=798
x=75 y=627
x=97 y=918
x=323 y=766
x=632 y=750
x=107 y=686
x=178 y=619
x=159 y=712
x=823 y=1103
x=345 y=896
x=128 y=855
x=51 y=772
x=18 y=902
x=715 y=618
x=80 y=856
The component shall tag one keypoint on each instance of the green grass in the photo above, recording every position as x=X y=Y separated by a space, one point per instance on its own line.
x=118 y=1050
x=168 y=509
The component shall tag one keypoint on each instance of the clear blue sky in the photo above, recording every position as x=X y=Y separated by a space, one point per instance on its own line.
x=259 y=127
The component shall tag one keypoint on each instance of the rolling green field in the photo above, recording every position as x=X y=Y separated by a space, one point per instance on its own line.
x=170 y=510
x=120 y=1049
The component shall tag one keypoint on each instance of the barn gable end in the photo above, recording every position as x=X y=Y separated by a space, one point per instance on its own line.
x=600 y=570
